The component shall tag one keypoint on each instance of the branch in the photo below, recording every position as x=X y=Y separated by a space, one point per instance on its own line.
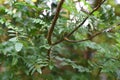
x=61 y=40
x=102 y=31
x=68 y=35
x=98 y=6
x=49 y=35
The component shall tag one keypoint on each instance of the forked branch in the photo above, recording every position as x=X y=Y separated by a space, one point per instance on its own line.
x=76 y=28
x=95 y=9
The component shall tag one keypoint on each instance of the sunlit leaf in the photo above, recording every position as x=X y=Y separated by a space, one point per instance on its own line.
x=18 y=46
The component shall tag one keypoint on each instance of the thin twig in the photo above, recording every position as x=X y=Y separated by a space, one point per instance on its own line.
x=49 y=35
x=61 y=40
x=93 y=36
x=85 y=19
x=68 y=35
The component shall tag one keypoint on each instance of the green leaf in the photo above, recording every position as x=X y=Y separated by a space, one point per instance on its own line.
x=18 y=46
x=14 y=39
x=33 y=70
x=14 y=61
x=96 y=13
x=39 y=70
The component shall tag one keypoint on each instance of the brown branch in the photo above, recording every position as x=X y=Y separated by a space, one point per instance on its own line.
x=49 y=35
x=61 y=40
x=98 y=6
x=68 y=35
x=93 y=36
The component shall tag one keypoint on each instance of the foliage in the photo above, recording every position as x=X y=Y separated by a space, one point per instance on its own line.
x=26 y=54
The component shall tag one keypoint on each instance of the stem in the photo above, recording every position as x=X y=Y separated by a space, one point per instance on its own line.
x=50 y=32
